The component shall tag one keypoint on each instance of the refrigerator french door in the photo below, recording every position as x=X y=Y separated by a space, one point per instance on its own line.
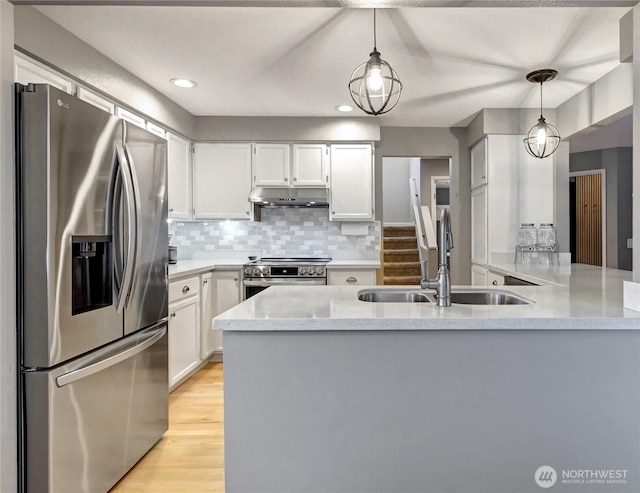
x=92 y=292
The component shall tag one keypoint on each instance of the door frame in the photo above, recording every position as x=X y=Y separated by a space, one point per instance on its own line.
x=435 y=180
x=603 y=196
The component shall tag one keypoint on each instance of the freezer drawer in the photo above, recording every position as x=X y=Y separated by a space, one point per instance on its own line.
x=89 y=421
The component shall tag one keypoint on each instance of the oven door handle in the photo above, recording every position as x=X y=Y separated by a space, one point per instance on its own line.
x=289 y=282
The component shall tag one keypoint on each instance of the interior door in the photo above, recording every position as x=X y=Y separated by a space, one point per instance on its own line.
x=589 y=219
x=148 y=296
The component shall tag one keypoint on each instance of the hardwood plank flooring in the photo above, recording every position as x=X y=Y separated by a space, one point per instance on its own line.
x=190 y=455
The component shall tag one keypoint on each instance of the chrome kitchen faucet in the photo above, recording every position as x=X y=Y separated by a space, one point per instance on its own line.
x=442 y=282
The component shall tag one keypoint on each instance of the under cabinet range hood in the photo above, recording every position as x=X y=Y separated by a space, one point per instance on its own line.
x=289 y=197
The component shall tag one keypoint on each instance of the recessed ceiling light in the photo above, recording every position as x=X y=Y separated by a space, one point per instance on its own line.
x=345 y=108
x=183 y=83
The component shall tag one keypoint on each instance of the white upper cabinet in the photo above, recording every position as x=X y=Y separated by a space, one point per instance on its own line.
x=27 y=71
x=351 y=182
x=131 y=117
x=96 y=100
x=479 y=225
x=271 y=165
x=479 y=164
x=156 y=130
x=179 y=176
x=221 y=181
x=309 y=167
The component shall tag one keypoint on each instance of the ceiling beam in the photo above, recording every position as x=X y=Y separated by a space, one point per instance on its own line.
x=341 y=3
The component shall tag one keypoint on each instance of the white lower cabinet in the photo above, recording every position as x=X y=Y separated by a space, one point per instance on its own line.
x=479 y=275
x=208 y=337
x=184 y=329
x=351 y=277
x=225 y=291
x=494 y=279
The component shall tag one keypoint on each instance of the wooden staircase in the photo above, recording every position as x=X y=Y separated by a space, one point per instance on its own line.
x=400 y=261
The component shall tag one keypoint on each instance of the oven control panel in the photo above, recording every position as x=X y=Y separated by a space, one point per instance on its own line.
x=266 y=271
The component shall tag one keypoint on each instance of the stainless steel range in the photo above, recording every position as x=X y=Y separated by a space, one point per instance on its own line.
x=258 y=275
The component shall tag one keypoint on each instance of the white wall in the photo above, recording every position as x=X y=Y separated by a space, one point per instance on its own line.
x=42 y=38
x=256 y=128
x=602 y=102
x=8 y=453
x=396 y=203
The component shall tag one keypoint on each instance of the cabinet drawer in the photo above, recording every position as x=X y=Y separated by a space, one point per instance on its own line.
x=184 y=288
x=352 y=277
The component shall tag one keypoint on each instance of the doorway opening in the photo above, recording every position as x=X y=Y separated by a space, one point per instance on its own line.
x=587 y=221
x=400 y=257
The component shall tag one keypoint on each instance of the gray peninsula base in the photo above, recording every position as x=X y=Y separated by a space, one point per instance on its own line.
x=432 y=411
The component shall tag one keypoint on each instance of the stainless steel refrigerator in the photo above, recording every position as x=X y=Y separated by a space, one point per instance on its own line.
x=92 y=292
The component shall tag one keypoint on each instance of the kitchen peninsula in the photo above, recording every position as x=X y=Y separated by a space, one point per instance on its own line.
x=324 y=392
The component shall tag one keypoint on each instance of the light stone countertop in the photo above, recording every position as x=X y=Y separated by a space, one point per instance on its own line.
x=589 y=298
x=185 y=268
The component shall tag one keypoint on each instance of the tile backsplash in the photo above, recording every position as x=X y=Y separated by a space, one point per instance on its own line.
x=282 y=231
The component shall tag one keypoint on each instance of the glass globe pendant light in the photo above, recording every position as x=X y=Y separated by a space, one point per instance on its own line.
x=543 y=138
x=374 y=86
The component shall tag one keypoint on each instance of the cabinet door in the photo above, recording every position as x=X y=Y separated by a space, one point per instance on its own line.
x=479 y=164
x=494 y=279
x=351 y=277
x=131 y=117
x=27 y=71
x=225 y=294
x=351 y=182
x=179 y=176
x=96 y=100
x=221 y=181
x=309 y=165
x=207 y=339
x=478 y=275
x=184 y=339
x=479 y=225
x=271 y=165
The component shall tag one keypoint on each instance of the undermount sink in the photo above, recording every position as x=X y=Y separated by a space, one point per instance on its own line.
x=395 y=296
x=487 y=298
x=458 y=296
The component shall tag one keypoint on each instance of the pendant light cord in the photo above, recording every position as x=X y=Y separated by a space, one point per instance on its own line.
x=374 y=29
x=540 y=99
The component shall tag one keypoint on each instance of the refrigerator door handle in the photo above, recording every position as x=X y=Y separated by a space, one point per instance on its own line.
x=136 y=203
x=132 y=220
x=80 y=373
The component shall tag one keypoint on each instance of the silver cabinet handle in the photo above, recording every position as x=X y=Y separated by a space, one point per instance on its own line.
x=235 y=279
x=495 y=283
x=286 y=179
x=185 y=289
x=352 y=279
x=173 y=315
x=295 y=178
x=206 y=281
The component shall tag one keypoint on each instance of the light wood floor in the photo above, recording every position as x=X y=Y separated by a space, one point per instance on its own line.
x=190 y=456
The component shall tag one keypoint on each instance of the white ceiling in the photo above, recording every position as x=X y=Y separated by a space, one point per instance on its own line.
x=297 y=61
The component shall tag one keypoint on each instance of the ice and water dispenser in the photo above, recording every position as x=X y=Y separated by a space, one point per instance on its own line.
x=92 y=273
